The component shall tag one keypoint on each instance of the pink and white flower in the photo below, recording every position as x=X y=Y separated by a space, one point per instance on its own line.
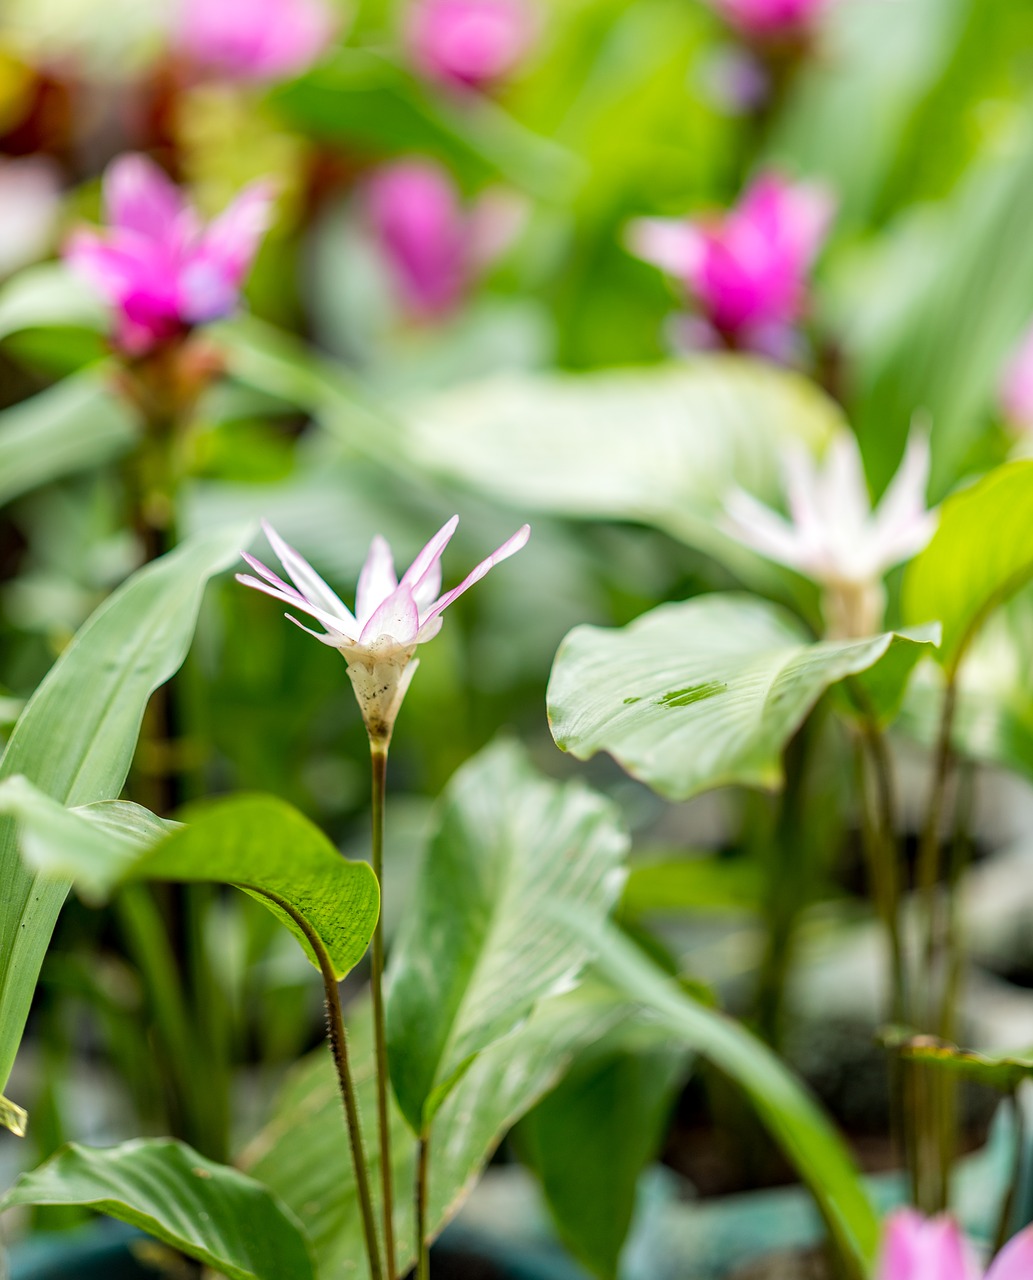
x=833 y=536
x=917 y=1248
x=470 y=43
x=771 y=19
x=157 y=264
x=392 y=616
x=255 y=39
x=748 y=271
x=433 y=246
x=1015 y=393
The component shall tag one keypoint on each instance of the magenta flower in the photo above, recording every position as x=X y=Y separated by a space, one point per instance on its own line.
x=435 y=248
x=392 y=616
x=917 y=1248
x=748 y=271
x=771 y=19
x=255 y=39
x=156 y=263
x=1015 y=393
x=471 y=43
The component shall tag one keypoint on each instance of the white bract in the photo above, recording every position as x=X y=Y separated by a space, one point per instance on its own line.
x=834 y=536
x=391 y=616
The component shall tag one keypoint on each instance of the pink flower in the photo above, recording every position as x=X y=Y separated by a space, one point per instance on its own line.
x=917 y=1248
x=747 y=271
x=471 y=43
x=156 y=263
x=433 y=247
x=1016 y=387
x=255 y=39
x=392 y=616
x=771 y=19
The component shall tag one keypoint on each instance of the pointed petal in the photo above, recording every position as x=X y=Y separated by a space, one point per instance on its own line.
x=139 y=196
x=377 y=580
x=273 y=579
x=327 y=619
x=755 y=525
x=800 y=474
x=232 y=239
x=1015 y=1261
x=397 y=617
x=674 y=245
x=309 y=583
x=902 y=525
x=334 y=641
x=919 y=1249
x=508 y=548
x=423 y=576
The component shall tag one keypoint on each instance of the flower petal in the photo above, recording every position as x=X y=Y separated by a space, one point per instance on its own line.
x=334 y=641
x=755 y=525
x=423 y=576
x=232 y=239
x=310 y=584
x=327 y=619
x=397 y=618
x=675 y=245
x=508 y=548
x=916 y=1248
x=902 y=525
x=139 y=196
x=1015 y=1261
x=377 y=580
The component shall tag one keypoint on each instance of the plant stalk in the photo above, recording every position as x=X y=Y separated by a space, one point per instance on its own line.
x=422 y=1182
x=378 y=759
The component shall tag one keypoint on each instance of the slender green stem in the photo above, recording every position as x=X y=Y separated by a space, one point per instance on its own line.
x=339 y=1049
x=422 y=1186
x=378 y=757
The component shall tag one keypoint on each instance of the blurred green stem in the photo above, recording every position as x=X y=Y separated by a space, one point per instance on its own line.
x=422 y=1181
x=378 y=758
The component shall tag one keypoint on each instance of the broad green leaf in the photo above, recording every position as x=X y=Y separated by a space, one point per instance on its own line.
x=76 y=737
x=259 y=843
x=218 y=1215
x=473 y=956
x=701 y=694
x=590 y=1138
x=661 y=445
x=1003 y=1071
x=701 y=882
x=49 y=296
x=792 y=1115
x=361 y=97
x=75 y=424
x=981 y=553
x=302 y=1153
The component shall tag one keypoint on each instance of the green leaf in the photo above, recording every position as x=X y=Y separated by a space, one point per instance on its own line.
x=359 y=96
x=662 y=445
x=218 y=1215
x=793 y=1117
x=50 y=296
x=259 y=843
x=302 y=1153
x=1003 y=1071
x=701 y=694
x=76 y=738
x=590 y=1138
x=75 y=424
x=473 y=955
x=688 y=882
x=981 y=553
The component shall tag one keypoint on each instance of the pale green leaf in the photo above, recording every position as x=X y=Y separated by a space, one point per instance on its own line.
x=50 y=296
x=218 y=1215
x=701 y=694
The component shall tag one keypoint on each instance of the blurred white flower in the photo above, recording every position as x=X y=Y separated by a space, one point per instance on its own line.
x=30 y=201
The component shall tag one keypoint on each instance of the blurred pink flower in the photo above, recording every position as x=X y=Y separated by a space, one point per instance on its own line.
x=748 y=270
x=771 y=19
x=433 y=246
x=391 y=617
x=917 y=1248
x=255 y=39
x=1015 y=393
x=468 y=42
x=156 y=263
x=833 y=536
x=30 y=201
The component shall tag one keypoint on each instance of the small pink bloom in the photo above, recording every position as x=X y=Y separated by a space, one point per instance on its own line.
x=255 y=39
x=1016 y=387
x=771 y=19
x=472 y=43
x=156 y=263
x=392 y=616
x=747 y=271
x=433 y=246
x=917 y=1248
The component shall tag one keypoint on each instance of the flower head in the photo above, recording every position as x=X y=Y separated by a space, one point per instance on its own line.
x=255 y=39
x=1015 y=393
x=433 y=246
x=917 y=1248
x=747 y=272
x=392 y=616
x=471 y=43
x=834 y=536
x=157 y=263
x=771 y=19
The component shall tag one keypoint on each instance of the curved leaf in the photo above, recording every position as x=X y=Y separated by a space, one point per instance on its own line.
x=981 y=553
x=50 y=296
x=474 y=954
x=701 y=694
x=75 y=739
x=1003 y=1071
x=213 y=1213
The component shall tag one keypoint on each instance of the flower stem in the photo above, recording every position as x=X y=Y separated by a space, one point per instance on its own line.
x=422 y=1181
x=378 y=758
